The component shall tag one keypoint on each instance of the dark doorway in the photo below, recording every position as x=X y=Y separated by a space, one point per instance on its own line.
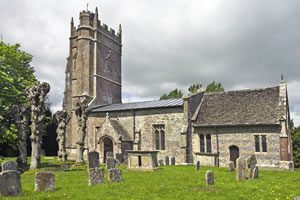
x=108 y=146
x=234 y=154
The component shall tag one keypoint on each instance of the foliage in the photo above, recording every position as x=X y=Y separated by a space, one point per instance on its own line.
x=296 y=144
x=194 y=88
x=172 y=182
x=16 y=74
x=214 y=87
x=174 y=94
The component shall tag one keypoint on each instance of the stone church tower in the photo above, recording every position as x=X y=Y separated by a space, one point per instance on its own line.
x=93 y=68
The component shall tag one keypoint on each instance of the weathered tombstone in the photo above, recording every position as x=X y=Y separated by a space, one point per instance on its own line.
x=255 y=172
x=96 y=176
x=167 y=160
x=10 y=183
x=197 y=165
x=114 y=175
x=109 y=154
x=209 y=177
x=172 y=160
x=125 y=160
x=93 y=159
x=44 y=181
x=251 y=165
x=110 y=163
x=9 y=165
x=161 y=162
x=241 y=169
x=231 y=166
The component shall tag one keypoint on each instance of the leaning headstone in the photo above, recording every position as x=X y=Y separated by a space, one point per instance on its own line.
x=172 y=160
x=209 y=177
x=93 y=159
x=44 y=181
x=9 y=165
x=197 y=167
x=167 y=160
x=114 y=175
x=110 y=163
x=241 y=169
x=109 y=154
x=161 y=162
x=10 y=183
x=231 y=166
x=96 y=176
x=255 y=172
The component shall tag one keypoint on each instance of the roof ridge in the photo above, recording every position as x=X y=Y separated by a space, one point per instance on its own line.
x=242 y=90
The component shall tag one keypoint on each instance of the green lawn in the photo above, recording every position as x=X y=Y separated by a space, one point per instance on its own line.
x=172 y=182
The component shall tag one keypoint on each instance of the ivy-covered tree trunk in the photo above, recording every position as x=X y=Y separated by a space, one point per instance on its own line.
x=36 y=95
x=21 y=114
x=81 y=110
x=62 y=118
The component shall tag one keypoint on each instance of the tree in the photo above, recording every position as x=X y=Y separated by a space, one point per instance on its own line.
x=174 y=94
x=194 y=88
x=214 y=87
x=16 y=74
x=296 y=144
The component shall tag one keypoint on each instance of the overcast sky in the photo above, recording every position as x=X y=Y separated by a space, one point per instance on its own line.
x=169 y=44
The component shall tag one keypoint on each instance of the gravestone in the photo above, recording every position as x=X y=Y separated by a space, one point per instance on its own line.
x=231 y=166
x=114 y=175
x=93 y=159
x=96 y=176
x=197 y=165
x=109 y=155
x=255 y=172
x=172 y=160
x=167 y=160
x=251 y=165
x=10 y=183
x=209 y=177
x=241 y=169
x=125 y=160
x=44 y=181
x=110 y=163
x=161 y=162
x=9 y=165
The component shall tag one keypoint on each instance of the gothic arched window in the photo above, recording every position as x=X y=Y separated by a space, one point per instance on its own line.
x=208 y=144
x=202 y=149
x=157 y=139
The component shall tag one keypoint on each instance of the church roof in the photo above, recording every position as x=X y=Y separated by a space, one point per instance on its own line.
x=140 y=105
x=241 y=107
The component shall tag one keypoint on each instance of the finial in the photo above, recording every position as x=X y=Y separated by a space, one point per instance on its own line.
x=87 y=7
x=282 y=76
x=96 y=10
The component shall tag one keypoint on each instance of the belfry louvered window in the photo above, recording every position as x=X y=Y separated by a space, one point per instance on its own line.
x=202 y=148
x=160 y=137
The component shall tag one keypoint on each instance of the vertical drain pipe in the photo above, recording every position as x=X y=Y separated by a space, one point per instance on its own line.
x=217 y=135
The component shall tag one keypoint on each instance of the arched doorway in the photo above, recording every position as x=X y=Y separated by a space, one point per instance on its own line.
x=108 y=147
x=234 y=154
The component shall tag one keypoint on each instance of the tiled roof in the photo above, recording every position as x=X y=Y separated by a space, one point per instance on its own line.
x=241 y=107
x=140 y=105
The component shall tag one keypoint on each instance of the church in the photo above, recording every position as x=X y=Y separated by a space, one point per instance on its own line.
x=213 y=128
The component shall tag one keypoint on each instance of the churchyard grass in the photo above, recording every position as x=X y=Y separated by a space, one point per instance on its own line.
x=172 y=182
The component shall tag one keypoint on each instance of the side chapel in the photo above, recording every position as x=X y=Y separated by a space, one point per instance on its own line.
x=214 y=128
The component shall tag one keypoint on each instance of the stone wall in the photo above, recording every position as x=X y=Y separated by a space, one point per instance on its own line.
x=243 y=138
